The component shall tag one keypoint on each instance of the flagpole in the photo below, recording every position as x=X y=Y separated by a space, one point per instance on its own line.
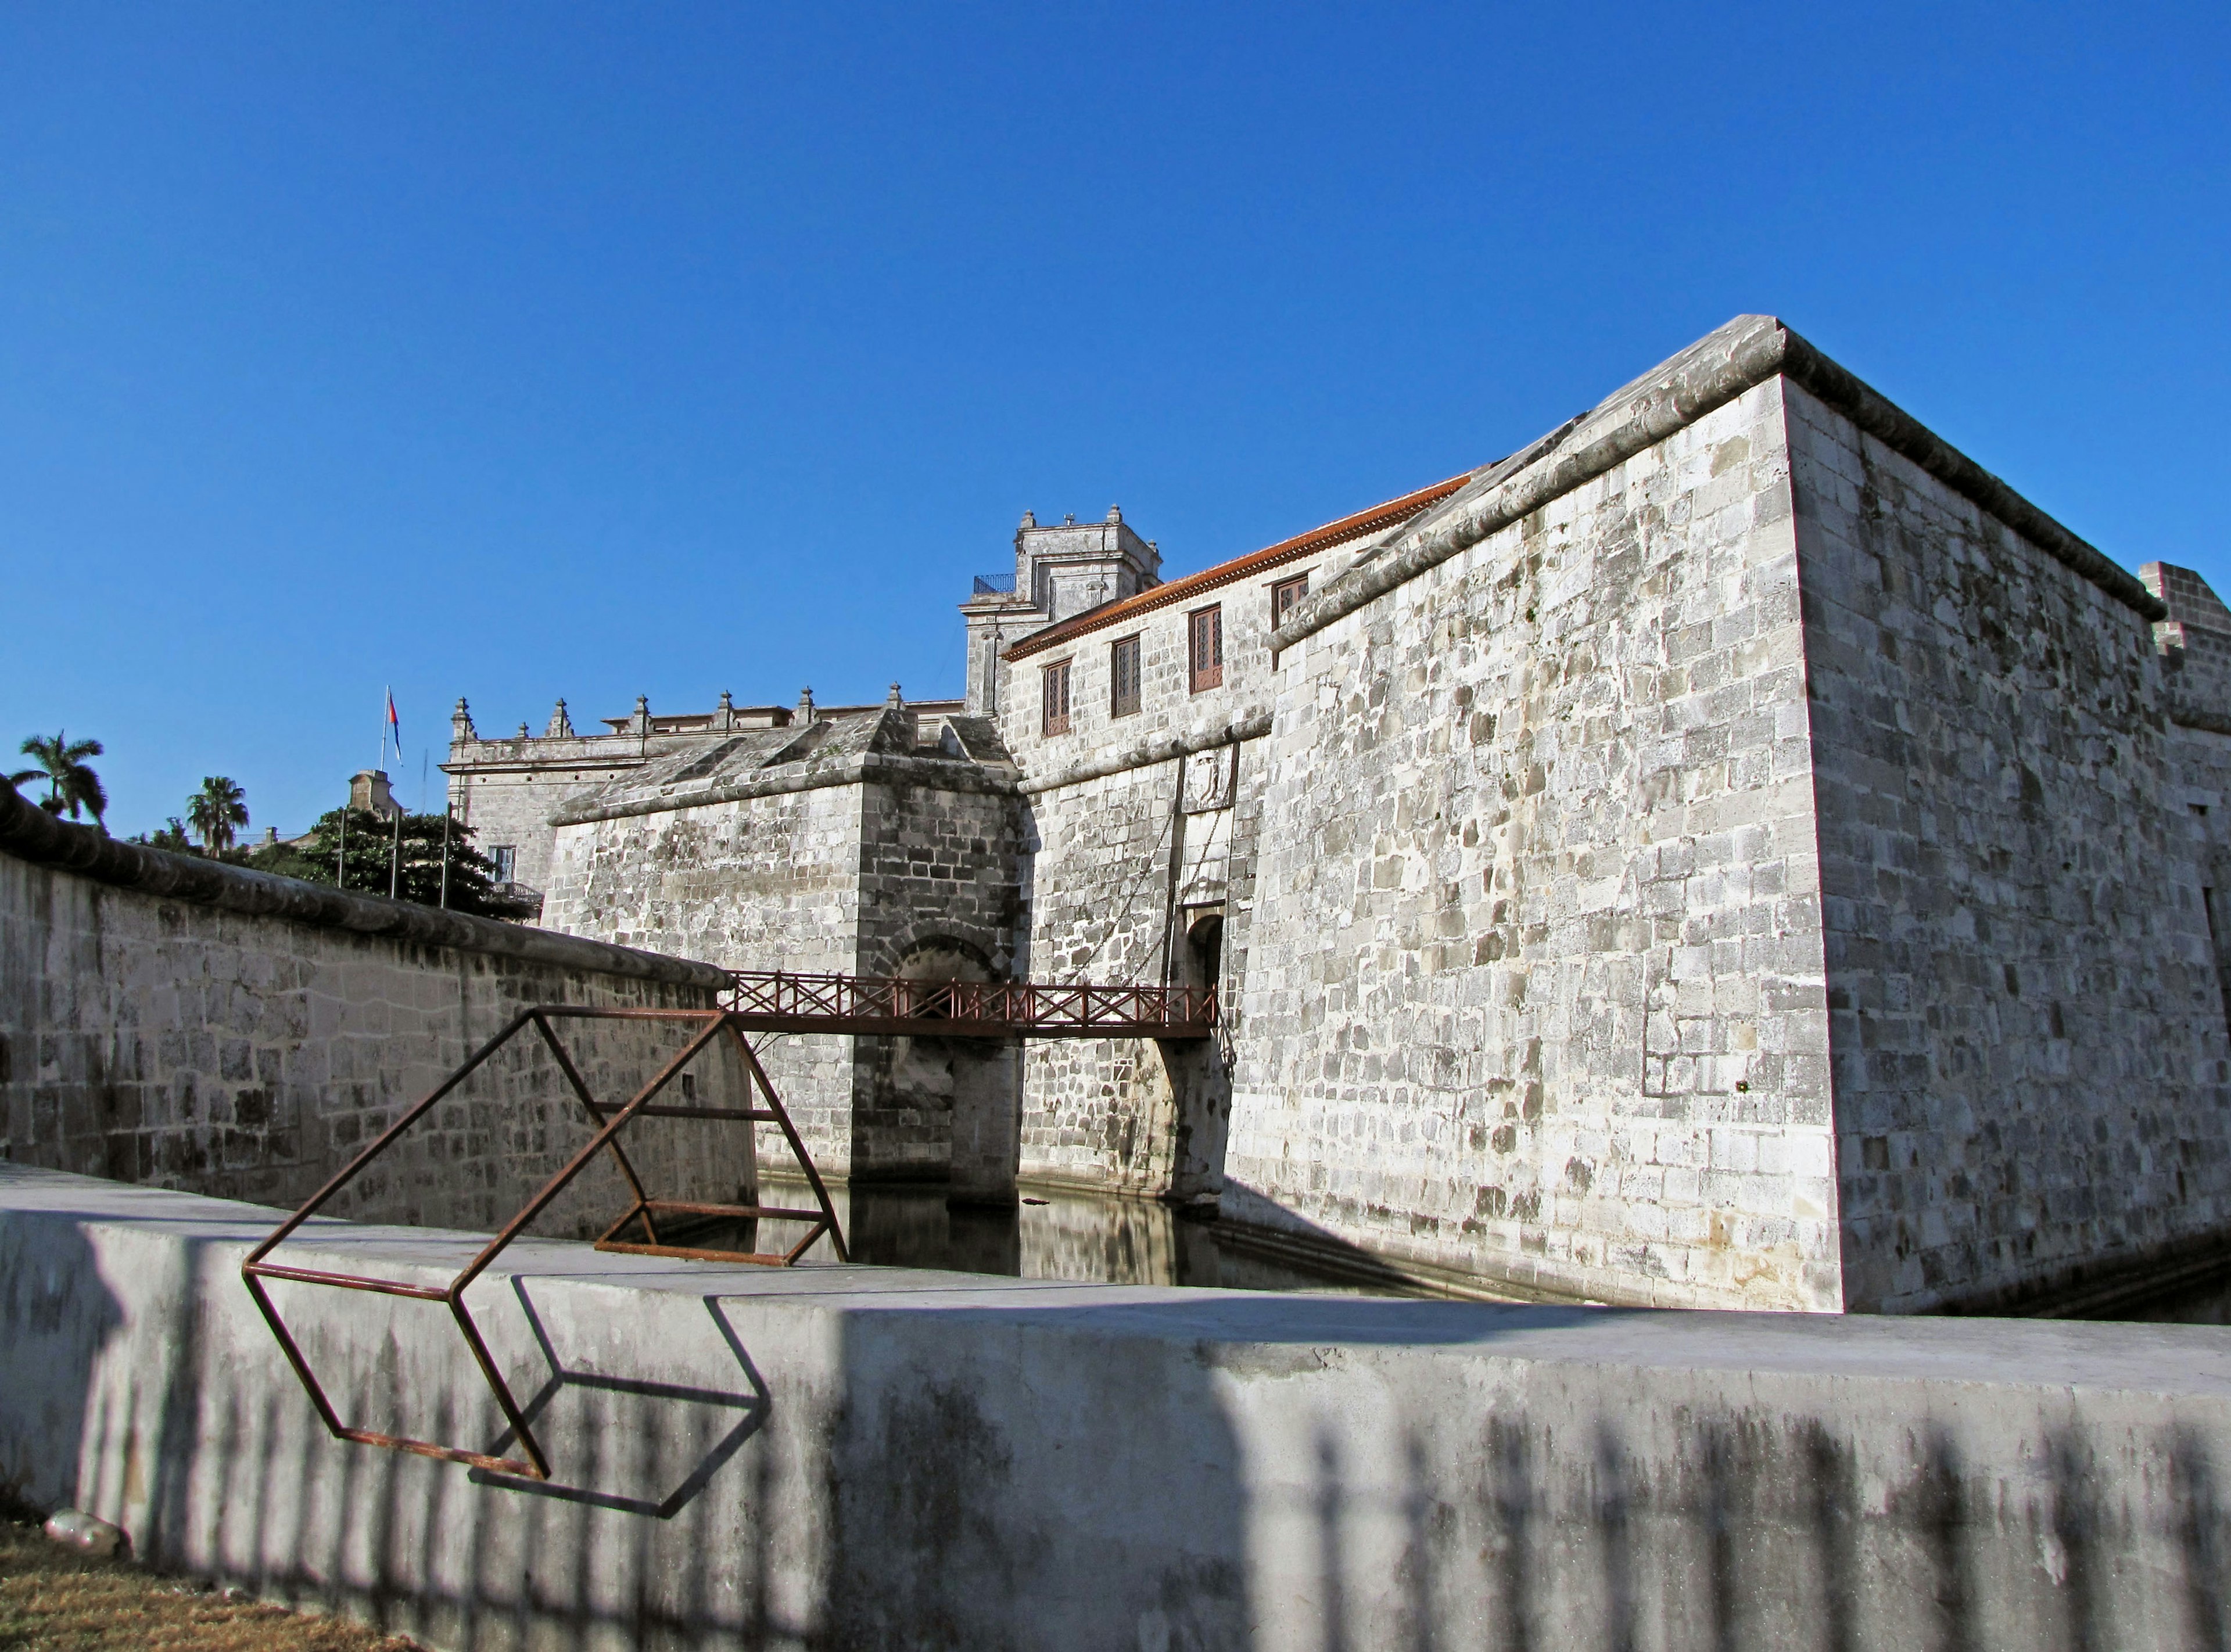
x=340 y=855
x=446 y=817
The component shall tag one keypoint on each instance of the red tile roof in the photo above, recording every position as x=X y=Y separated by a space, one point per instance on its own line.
x=1377 y=518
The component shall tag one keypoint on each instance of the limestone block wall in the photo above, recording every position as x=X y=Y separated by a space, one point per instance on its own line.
x=939 y=897
x=851 y=876
x=2029 y=1036
x=184 y=1024
x=758 y=883
x=1111 y=863
x=1534 y=982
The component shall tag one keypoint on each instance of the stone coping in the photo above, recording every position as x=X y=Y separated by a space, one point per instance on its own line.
x=30 y=834
x=1251 y=726
x=1708 y=374
x=867 y=768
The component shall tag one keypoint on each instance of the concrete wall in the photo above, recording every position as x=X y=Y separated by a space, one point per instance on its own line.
x=2029 y=1033
x=868 y=1458
x=176 y=1021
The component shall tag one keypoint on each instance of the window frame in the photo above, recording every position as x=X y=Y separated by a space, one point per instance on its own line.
x=1281 y=603
x=1116 y=707
x=1204 y=677
x=1053 y=672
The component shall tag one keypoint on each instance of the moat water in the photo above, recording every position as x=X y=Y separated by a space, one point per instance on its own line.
x=1101 y=1240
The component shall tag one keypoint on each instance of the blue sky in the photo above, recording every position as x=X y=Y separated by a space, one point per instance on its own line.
x=523 y=351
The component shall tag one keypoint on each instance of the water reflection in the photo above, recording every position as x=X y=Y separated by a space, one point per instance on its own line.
x=1100 y=1239
x=2205 y=1303
x=1083 y=1237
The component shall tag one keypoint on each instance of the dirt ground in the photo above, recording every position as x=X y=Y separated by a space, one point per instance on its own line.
x=56 y=1600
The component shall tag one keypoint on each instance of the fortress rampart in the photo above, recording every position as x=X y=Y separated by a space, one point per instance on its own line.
x=1734 y=851
x=191 y=1024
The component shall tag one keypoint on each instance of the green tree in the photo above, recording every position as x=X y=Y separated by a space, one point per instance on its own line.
x=215 y=811
x=172 y=838
x=71 y=784
x=371 y=843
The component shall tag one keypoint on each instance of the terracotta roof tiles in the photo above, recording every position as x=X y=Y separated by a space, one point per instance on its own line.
x=1375 y=519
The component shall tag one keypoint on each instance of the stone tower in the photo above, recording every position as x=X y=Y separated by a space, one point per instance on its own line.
x=1060 y=569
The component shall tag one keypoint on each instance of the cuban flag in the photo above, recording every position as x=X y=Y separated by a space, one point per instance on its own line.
x=394 y=724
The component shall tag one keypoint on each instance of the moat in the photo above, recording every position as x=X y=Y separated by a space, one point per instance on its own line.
x=1101 y=1239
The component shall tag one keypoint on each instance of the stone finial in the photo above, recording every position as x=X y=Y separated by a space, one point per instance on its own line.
x=1069 y=521
x=640 y=723
x=894 y=700
x=724 y=714
x=1115 y=512
x=523 y=735
x=561 y=726
x=804 y=715
x=461 y=722
x=1030 y=518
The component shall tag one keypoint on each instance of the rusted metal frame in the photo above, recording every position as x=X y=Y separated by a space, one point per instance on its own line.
x=596 y=1116
x=347 y=1173
x=559 y=1182
x=537 y=1466
x=797 y=1147
x=253 y=1270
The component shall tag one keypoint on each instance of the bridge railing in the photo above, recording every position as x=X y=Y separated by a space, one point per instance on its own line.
x=962 y=1009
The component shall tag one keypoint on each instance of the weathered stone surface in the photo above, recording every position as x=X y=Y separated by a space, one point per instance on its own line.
x=867 y=845
x=241 y=1050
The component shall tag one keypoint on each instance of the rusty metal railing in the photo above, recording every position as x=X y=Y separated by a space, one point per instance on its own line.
x=777 y=1001
x=609 y=1123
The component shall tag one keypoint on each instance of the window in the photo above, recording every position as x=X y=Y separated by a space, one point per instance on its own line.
x=1124 y=677
x=1207 y=648
x=1284 y=595
x=1054 y=690
x=507 y=861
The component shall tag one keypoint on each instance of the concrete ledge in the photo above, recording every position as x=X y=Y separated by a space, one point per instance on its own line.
x=30 y=834
x=867 y=1457
x=1710 y=373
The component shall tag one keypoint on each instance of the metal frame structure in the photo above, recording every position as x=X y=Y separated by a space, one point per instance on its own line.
x=771 y=1001
x=646 y=1210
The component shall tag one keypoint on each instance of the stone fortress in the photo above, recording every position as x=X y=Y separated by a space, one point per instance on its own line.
x=1733 y=852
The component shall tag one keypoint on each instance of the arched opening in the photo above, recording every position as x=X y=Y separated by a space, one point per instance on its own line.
x=1203 y=961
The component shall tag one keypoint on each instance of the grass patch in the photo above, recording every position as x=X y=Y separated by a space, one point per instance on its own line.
x=57 y=1600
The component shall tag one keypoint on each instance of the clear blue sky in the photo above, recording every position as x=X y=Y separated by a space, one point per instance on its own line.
x=526 y=351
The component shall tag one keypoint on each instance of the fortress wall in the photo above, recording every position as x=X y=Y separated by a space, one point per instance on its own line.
x=513 y=804
x=1535 y=986
x=2030 y=1045
x=854 y=877
x=1105 y=861
x=192 y=1025
x=761 y=883
x=938 y=897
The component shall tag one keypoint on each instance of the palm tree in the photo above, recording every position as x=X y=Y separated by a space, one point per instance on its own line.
x=214 y=810
x=71 y=784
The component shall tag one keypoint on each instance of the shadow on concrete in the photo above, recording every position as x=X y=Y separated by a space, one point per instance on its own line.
x=62 y=1316
x=671 y=1414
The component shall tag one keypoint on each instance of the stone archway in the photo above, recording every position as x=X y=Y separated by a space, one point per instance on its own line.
x=962 y=1095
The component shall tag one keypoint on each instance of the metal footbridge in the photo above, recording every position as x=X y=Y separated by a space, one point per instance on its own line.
x=764 y=1001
